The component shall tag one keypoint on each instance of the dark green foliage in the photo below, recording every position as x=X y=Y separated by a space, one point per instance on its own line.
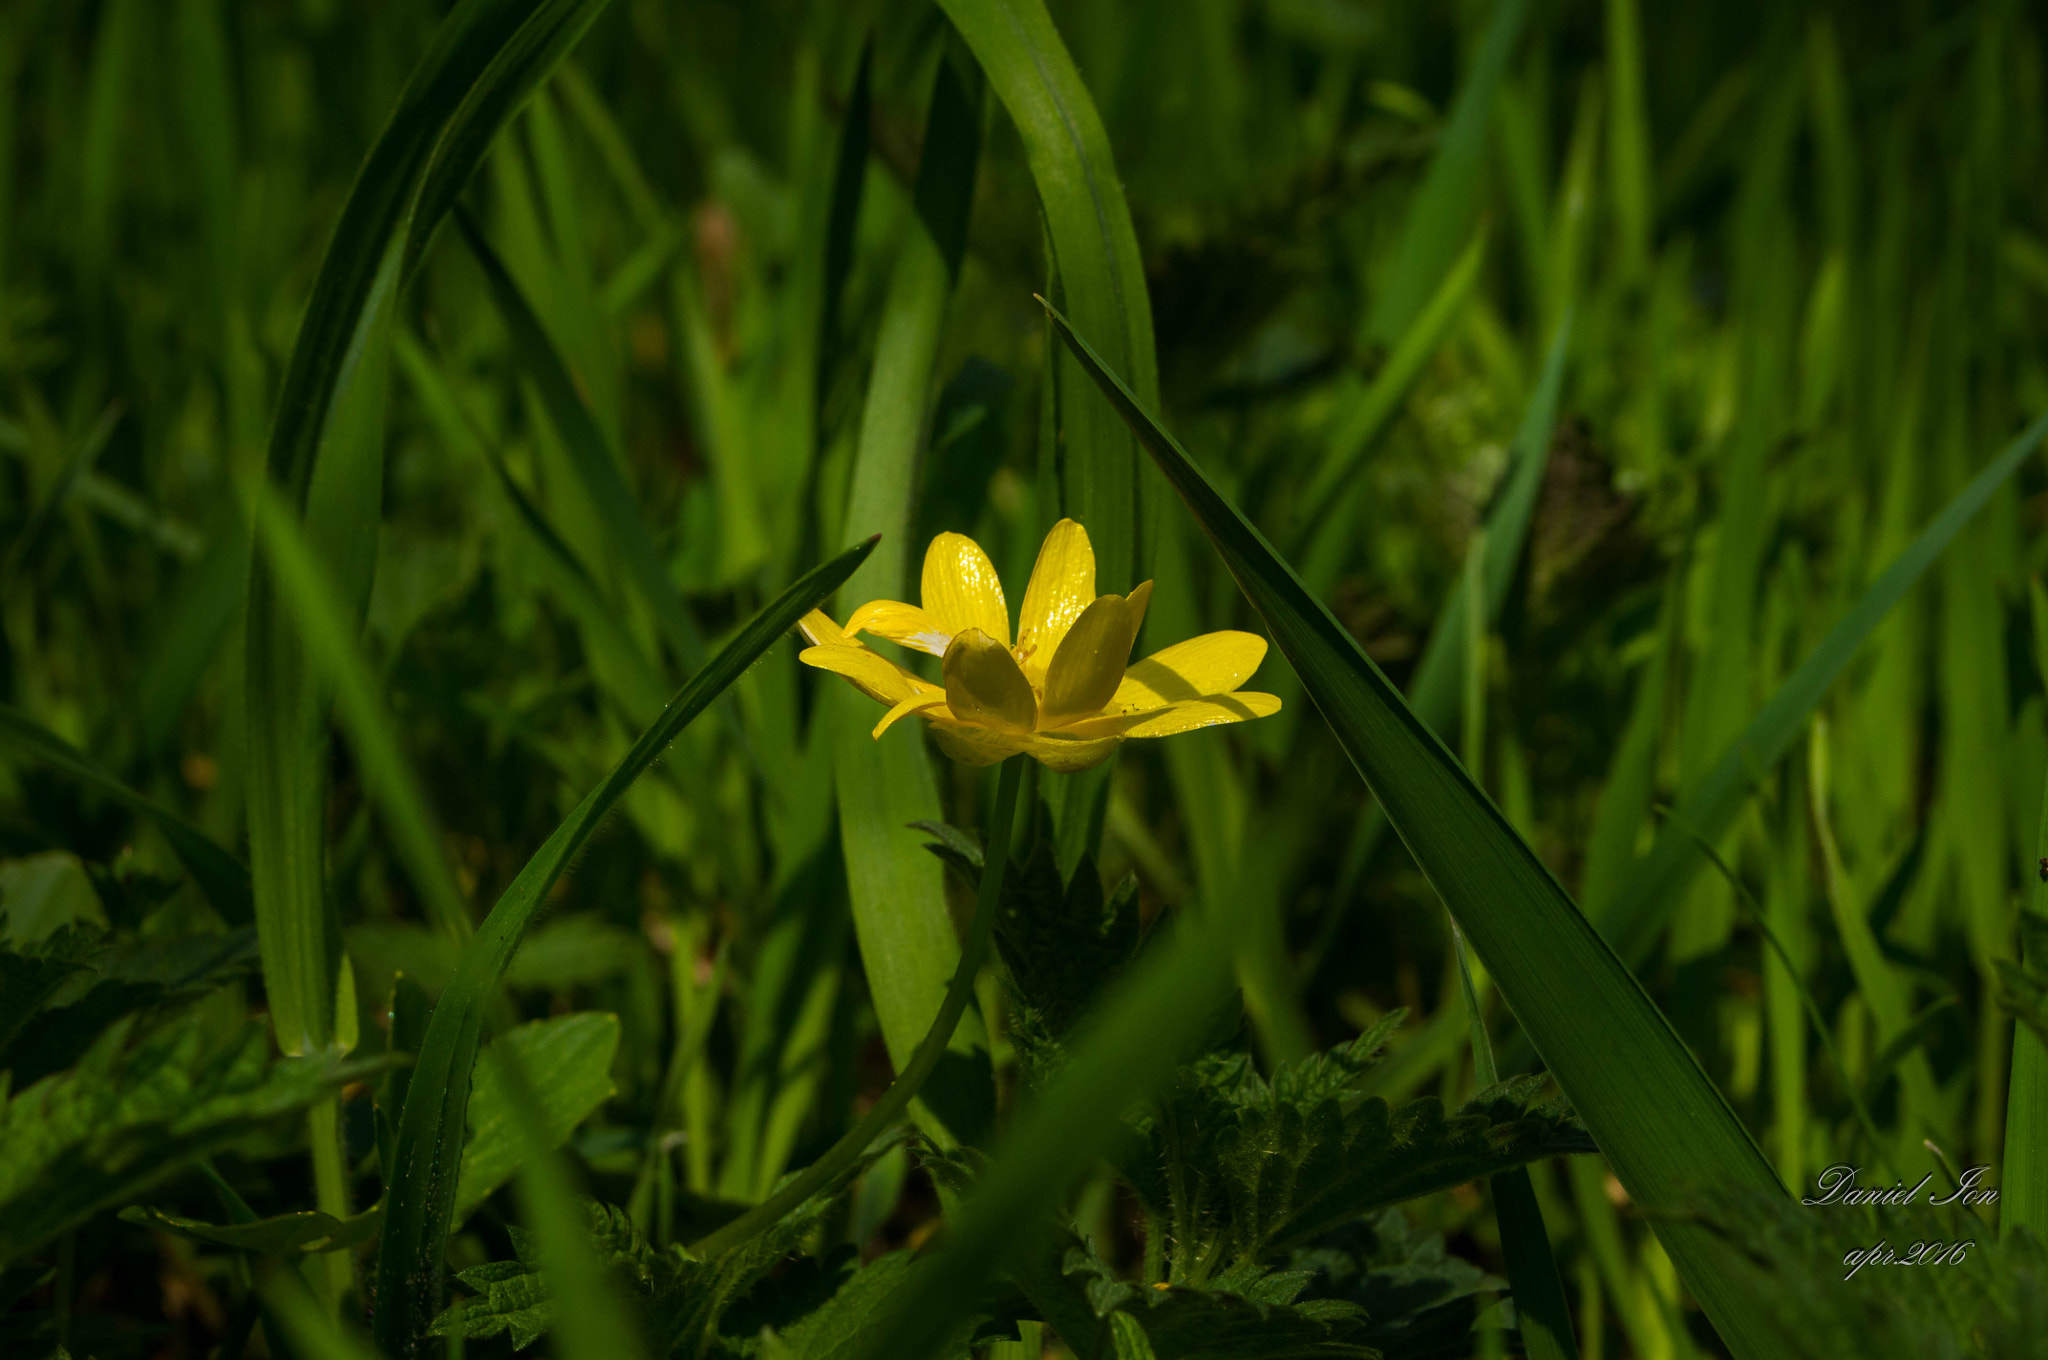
x=1062 y=942
x=77 y=981
x=130 y=1116
x=1240 y=1168
x=1817 y=1303
x=1419 y=1299
x=681 y=1299
x=2023 y=982
x=1245 y=1313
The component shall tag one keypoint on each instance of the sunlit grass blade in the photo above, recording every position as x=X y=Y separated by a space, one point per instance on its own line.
x=907 y=941
x=1655 y=884
x=1661 y=1122
x=219 y=874
x=1444 y=208
x=421 y=1182
x=1095 y=248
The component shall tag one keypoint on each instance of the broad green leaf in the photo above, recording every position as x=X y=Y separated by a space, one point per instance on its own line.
x=568 y=1061
x=1661 y=1122
x=130 y=1116
x=420 y=1198
x=219 y=874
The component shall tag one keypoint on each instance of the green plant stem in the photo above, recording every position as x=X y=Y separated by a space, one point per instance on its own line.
x=330 y=1193
x=988 y=902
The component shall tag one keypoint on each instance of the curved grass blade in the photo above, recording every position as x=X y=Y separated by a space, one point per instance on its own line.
x=219 y=874
x=1658 y=880
x=1095 y=250
x=1661 y=1122
x=427 y=1152
x=908 y=945
x=325 y=456
x=322 y=621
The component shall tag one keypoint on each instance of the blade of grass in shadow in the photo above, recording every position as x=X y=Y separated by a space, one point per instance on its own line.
x=219 y=874
x=1660 y=1121
x=1542 y=1315
x=1445 y=206
x=2023 y=1193
x=908 y=945
x=322 y=621
x=427 y=1150
x=1655 y=884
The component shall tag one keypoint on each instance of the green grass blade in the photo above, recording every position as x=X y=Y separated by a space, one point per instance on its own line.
x=908 y=944
x=426 y=1154
x=1659 y=878
x=1445 y=207
x=1628 y=137
x=323 y=622
x=1661 y=1122
x=2023 y=1194
x=218 y=873
x=588 y=450
x=1358 y=426
x=1095 y=248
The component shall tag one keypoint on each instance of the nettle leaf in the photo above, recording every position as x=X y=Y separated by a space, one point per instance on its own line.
x=1942 y=1286
x=1420 y=1300
x=1062 y=941
x=1243 y=1168
x=682 y=1299
x=128 y=1118
x=106 y=980
x=1245 y=1313
x=32 y=976
x=568 y=1062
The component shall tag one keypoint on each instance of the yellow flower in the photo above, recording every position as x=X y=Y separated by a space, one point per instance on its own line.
x=1063 y=694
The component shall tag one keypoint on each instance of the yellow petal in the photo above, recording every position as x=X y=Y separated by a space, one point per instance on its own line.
x=1189 y=714
x=1140 y=596
x=872 y=674
x=961 y=590
x=1214 y=663
x=915 y=702
x=984 y=746
x=1089 y=663
x=819 y=630
x=1057 y=751
x=904 y=623
x=984 y=686
x=976 y=745
x=1062 y=585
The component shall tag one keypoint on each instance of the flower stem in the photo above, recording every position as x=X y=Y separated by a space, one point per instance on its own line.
x=842 y=1154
